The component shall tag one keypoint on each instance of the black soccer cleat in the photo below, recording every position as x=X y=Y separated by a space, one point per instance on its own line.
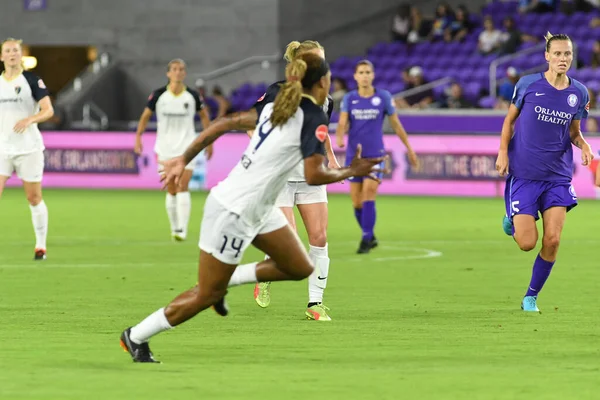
x=139 y=352
x=221 y=307
x=40 y=255
x=364 y=247
x=374 y=242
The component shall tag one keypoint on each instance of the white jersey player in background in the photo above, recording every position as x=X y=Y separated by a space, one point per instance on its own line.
x=241 y=209
x=310 y=200
x=175 y=106
x=24 y=102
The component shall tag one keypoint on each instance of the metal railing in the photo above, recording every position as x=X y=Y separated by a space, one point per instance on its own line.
x=422 y=88
x=238 y=65
x=501 y=60
x=87 y=120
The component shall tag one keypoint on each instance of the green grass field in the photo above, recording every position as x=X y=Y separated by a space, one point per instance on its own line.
x=431 y=314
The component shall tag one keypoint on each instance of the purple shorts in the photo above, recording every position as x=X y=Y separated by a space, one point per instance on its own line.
x=360 y=179
x=524 y=196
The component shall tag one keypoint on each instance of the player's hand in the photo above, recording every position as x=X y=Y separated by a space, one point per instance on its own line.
x=587 y=155
x=22 y=125
x=502 y=163
x=209 y=151
x=413 y=160
x=340 y=142
x=367 y=166
x=138 y=148
x=171 y=171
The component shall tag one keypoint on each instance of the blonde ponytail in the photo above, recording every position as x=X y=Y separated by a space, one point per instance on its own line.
x=295 y=48
x=288 y=99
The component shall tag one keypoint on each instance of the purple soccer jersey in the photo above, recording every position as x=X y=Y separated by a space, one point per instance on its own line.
x=540 y=153
x=366 y=116
x=541 y=146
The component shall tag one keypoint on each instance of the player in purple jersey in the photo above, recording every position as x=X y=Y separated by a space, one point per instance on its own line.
x=537 y=154
x=362 y=115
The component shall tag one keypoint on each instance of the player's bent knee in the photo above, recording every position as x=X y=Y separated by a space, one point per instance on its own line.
x=551 y=241
x=526 y=243
x=34 y=198
x=318 y=239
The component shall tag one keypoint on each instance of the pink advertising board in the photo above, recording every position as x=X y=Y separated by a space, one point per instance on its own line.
x=104 y=160
x=452 y=165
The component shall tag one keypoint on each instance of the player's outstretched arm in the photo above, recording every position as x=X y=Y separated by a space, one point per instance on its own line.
x=401 y=133
x=333 y=162
x=342 y=128
x=587 y=155
x=205 y=118
x=316 y=173
x=505 y=136
x=236 y=121
x=141 y=128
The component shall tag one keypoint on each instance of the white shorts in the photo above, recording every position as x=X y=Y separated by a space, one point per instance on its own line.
x=29 y=167
x=301 y=193
x=190 y=166
x=226 y=236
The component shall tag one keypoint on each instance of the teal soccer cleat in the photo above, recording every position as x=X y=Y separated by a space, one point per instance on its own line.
x=507 y=226
x=530 y=304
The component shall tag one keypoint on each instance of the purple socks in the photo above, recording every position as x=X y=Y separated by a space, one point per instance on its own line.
x=541 y=272
x=368 y=220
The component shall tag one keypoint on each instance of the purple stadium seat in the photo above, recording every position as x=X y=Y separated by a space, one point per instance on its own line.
x=396 y=87
x=594 y=86
x=487 y=102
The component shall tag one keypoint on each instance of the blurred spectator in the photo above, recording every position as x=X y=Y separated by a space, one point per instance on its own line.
x=421 y=99
x=211 y=104
x=507 y=88
x=489 y=39
x=537 y=6
x=443 y=18
x=595 y=22
x=224 y=104
x=406 y=76
x=455 y=99
x=512 y=38
x=419 y=26
x=401 y=23
x=460 y=27
x=339 y=90
x=586 y=5
x=595 y=62
x=591 y=123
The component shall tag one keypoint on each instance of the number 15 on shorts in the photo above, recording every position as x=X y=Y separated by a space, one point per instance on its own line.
x=232 y=244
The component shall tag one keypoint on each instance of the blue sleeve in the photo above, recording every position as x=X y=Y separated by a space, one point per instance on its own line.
x=314 y=130
x=344 y=105
x=197 y=100
x=38 y=88
x=388 y=103
x=267 y=98
x=154 y=98
x=584 y=105
x=519 y=93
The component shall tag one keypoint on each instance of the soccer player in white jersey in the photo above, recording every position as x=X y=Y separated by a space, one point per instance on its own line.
x=175 y=106
x=310 y=200
x=241 y=209
x=24 y=102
